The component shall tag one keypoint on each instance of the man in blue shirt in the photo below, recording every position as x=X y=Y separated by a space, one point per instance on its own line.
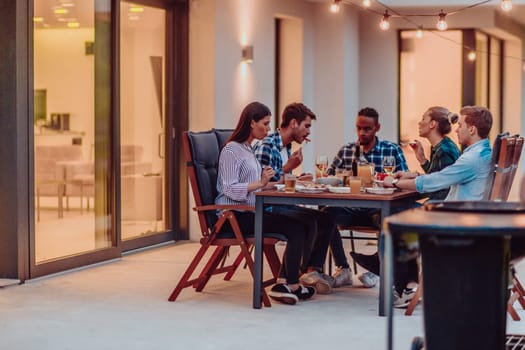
x=468 y=175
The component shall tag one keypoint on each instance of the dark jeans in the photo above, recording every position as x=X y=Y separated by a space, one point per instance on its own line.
x=348 y=217
x=404 y=271
x=320 y=227
x=294 y=230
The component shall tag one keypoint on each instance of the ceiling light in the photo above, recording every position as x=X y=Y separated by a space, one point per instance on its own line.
x=335 y=7
x=419 y=33
x=367 y=3
x=471 y=55
x=506 y=5
x=60 y=11
x=442 y=23
x=385 y=23
x=136 y=9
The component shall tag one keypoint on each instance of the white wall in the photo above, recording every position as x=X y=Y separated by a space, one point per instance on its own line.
x=221 y=85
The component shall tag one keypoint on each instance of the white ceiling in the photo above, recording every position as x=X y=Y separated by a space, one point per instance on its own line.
x=434 y=6
x=82 y=10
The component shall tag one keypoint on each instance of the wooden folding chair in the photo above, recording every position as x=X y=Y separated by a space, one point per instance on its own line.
x=506 y=152
x=202 y=151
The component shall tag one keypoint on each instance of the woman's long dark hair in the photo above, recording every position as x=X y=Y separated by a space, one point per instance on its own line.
x=254 y=111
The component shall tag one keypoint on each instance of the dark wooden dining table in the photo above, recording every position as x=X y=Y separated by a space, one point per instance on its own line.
x=465 y=264
x=387 y=203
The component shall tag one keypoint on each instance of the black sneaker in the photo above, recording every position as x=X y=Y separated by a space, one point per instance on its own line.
x=283 y=294
x=304 y=292
x=369 y=262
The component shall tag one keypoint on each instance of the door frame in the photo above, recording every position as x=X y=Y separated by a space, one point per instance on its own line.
x=17 y=215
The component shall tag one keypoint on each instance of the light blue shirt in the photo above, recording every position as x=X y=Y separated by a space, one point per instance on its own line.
x=467 y=177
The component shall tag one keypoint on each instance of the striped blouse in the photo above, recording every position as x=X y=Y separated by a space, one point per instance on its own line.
x=237 y=168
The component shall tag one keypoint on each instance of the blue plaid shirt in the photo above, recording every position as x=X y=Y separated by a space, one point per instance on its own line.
x=345 y=156
x=268 y=152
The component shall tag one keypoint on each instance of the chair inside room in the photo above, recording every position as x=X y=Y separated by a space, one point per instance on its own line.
x=201 y=151
x=506 y=152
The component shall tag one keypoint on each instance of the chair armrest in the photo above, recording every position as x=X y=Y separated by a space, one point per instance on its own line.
x=224 y=207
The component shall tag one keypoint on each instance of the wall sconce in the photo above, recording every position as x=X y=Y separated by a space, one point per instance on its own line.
x=247 y=54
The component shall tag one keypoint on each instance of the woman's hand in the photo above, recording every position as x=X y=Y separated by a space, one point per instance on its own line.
x=418 y=150
x=387 y=182
x=267 y=174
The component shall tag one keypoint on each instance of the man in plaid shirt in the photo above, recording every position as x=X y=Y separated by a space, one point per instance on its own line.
x=275 y=151
x=374 y=149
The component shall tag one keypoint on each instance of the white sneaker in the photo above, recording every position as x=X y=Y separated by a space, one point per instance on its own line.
x=368 y=279
x=321 y=282
x=343 y=277
x=406 y=297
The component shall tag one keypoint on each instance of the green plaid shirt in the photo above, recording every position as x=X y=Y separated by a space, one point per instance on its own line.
x=442 y=155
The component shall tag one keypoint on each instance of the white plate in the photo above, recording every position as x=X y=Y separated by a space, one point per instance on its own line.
x=379 y=182
x=380 y=190
x=301 y=188
x=339 y=189
x=310 y=190
x=279 y=187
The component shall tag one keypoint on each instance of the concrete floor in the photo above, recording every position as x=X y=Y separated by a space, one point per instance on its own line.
x=123 y=305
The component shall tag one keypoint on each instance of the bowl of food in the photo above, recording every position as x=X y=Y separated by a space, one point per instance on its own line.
x=329 y=181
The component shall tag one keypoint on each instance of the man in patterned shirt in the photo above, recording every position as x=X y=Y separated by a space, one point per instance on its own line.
x=275 y=151
x=374 y=149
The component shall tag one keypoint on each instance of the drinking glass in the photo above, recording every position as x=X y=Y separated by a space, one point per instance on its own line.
x=322 y=164
x=289 y=182
x=389 y=165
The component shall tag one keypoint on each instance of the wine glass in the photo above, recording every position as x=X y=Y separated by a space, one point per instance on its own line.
x=389 y=165
x=322 y=164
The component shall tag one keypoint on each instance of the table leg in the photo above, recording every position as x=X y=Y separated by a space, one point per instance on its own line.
x=258 y=254
x=60 y=199
x=387 y=270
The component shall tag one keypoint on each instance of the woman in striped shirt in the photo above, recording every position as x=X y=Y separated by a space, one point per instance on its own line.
x=239 y=176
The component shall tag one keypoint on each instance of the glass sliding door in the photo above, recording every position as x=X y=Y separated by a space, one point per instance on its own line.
x=72 y=129
x=142 y=119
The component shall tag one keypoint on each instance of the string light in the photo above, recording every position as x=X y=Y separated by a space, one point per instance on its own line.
x=335 y=7
x=471 y=55
x=506 y=5
x=385 y=23
x=442 y=23
x=367 y=3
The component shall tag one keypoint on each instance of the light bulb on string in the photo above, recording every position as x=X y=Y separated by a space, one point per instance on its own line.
x=385 y=23
x=471 y=55
x=442 y=23
x=419 y=33
x=335 y=7
x=506 y=5
x=367 y=3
